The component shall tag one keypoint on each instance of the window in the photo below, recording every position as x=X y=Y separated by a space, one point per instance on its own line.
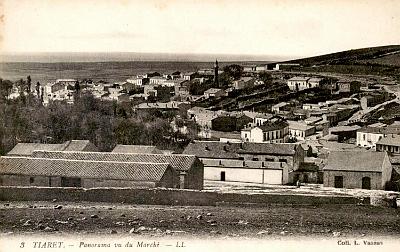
x=364 y=137
x=31 y=180
x=283 y=160
x=255 y=159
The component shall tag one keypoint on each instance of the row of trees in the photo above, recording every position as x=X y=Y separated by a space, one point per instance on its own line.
x=104 y=123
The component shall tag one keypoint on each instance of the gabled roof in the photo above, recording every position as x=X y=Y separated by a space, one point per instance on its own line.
x=213 y=149
x=26 y=149
x=120 y=148
x=178 y=162
x=361 y=161
x=83 y=168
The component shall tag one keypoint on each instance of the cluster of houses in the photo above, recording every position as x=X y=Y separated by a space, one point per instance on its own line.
x=77 y=163
x=291 y=142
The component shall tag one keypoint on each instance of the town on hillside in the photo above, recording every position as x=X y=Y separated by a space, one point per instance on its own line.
x=237 y=123
x=232 y=135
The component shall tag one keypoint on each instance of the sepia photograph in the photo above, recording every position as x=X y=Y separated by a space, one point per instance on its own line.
x=188 y=125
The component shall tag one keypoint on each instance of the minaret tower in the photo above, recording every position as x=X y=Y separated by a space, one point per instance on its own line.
x=216 y=73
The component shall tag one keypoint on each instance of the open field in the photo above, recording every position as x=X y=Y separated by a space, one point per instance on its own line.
x=200 y=222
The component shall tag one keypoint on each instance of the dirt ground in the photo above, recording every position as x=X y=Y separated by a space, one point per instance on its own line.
x=201 y=222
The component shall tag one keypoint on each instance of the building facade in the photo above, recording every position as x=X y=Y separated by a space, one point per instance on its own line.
x=357 y=169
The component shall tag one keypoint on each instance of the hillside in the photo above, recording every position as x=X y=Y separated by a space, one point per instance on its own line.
x=380 y=61
x=387 y=55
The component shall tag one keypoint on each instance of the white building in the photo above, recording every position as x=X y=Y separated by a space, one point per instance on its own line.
x=298 y=83
x=369 y=136
x=214 y=92
x=157 y=80
x=270 y=132
x=172 y=83
x=137 y=81
x=277 y=108
x=314 y=82
x=300 y=130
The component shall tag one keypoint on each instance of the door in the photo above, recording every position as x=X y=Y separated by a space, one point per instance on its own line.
x=223 y=176
x=70 y=182
x=366 y=183
x=305 y=178
x=338 y=181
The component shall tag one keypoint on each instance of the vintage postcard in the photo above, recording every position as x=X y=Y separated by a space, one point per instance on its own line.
x=187 y=125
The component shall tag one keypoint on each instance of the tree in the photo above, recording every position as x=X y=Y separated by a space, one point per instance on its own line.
x=38 y=89
x=5 y=88
x=28 y=84
x=77 y=89
x=265 y=77
x=225 y=80
x=235 y=71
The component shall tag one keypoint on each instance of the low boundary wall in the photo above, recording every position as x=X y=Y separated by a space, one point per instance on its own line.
x=169 y=197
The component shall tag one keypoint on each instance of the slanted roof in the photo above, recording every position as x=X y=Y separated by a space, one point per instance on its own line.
x=26 y=149
x=276 y=125
x=392 y=139
x=381 y=130
x=269 y=148
x=281 y=104
x=178 y=162
x=147 y=149
x=213 y=149
x=299 y=125
x=315 y=79
x=299 y=78
x=79 y=145
x=358 y=161
x=83 y=168
x=213 y=90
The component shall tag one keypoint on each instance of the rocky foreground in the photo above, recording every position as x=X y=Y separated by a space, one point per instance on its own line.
x=202 y=222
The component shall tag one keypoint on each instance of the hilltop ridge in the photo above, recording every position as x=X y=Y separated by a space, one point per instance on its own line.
x=384 y=55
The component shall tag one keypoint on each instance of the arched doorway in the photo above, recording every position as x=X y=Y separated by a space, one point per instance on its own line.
x=366 y=183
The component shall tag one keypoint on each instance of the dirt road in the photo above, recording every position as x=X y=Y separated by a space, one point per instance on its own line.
x=203 y=222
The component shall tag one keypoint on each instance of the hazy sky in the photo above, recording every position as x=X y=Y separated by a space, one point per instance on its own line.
x=282 y=27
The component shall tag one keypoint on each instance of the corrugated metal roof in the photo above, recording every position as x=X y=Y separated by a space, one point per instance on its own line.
x=83 y=168
x=177 y=161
